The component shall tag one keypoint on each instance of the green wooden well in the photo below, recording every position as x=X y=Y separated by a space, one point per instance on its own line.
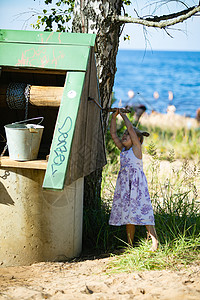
x=41 y=201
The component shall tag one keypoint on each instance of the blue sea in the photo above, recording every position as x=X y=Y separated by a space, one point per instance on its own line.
x=146 y=72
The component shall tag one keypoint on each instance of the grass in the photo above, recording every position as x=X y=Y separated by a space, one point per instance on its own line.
x=174 y=187
x=184 y=142
x=178 y=253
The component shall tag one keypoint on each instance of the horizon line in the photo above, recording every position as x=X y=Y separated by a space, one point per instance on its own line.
x=152 y=50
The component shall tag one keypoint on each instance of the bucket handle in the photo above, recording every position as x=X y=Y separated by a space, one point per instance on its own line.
x=42 y=118
x=6 y=146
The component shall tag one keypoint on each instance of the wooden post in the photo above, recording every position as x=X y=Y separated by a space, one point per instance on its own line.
x=46 y=95
x=39 y=95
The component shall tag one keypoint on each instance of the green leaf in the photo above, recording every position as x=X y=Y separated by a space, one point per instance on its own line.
x=58 y=3
x=61 y=13
x=127 y=37
x=126 y=2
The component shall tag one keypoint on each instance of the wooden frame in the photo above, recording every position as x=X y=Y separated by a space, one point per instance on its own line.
x=50 y=52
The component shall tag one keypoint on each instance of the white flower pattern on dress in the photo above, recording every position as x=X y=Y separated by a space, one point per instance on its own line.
x=131 y=203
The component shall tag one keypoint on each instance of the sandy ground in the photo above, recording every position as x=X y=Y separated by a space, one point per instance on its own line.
x=91 y=279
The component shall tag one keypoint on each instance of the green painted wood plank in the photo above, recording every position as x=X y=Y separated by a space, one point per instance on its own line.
x=44 y=37
x=64 y=130
x=46 y=57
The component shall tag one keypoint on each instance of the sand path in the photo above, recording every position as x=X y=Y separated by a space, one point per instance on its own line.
x=90 y=279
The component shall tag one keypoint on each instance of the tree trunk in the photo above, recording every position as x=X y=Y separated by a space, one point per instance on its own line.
x=93 y=16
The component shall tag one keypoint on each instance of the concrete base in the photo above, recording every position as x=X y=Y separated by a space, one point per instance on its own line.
x=38 y=225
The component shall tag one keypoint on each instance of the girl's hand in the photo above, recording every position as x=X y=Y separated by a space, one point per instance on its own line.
x=114 y=115
x=126 y=119
x=122 y=114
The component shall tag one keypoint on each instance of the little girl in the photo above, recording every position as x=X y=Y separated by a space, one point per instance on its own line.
x=131 y=204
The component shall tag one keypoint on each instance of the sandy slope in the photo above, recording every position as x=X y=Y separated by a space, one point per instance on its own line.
x=90 y=279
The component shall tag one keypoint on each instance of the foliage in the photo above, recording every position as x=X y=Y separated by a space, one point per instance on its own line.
x=174 y=197
x=60 y=15
x=184 y=142
x=127 y=2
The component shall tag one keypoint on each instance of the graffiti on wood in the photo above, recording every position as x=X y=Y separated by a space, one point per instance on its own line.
x=61 y=145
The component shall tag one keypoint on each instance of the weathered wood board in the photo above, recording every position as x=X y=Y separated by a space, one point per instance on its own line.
x=64 y=130
x=44 y=57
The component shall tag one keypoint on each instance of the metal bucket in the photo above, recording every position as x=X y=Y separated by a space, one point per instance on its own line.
x=23 y=140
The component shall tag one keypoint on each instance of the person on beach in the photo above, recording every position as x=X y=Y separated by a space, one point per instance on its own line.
x=131 y=204
x=139 y=110
x=198 y=115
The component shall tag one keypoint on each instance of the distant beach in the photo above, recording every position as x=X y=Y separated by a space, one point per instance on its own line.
x=168 y=120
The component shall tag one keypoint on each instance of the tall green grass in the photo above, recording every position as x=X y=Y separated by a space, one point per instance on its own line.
x=175 y=196
x=184 y=142
x=178 y=253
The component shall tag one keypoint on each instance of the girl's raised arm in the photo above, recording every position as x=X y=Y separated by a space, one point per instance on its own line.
x=134 y=138
x=113 y=130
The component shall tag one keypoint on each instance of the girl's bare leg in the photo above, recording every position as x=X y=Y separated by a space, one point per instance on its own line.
x=130 y=231
x=151 y=231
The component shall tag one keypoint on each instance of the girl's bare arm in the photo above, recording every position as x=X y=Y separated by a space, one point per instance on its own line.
x=134 y=138
x=113 y=130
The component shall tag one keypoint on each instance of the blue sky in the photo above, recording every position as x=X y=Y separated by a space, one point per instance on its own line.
x=185 y=35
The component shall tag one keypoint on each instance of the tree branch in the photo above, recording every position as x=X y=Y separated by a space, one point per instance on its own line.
x=171 y=19
x=170 y=16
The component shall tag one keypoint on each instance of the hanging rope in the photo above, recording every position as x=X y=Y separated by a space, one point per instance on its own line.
x=18 y=95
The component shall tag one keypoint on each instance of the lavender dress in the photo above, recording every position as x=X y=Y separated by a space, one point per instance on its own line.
x=131 y=203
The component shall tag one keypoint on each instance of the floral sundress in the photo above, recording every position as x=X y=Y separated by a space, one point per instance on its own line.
x=131 y=203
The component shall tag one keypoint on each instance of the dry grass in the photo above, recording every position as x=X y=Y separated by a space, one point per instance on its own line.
x=168 y=121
